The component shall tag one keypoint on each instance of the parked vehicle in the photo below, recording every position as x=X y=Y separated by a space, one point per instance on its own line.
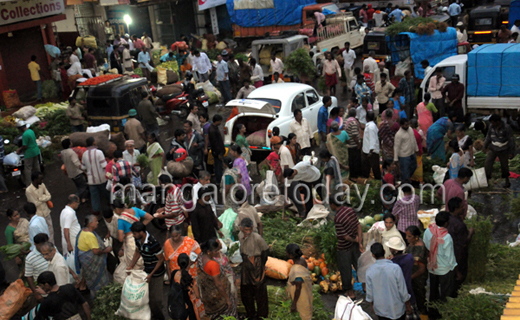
x=284 y=15
x=17 y=171
x=272 y=106
x=485 y=22
x=498 y=62
x=110 y=103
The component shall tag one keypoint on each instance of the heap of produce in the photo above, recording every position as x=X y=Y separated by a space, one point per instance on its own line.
x=12 y=251
x=101 y=79
x=170 y=65
x=45 y=110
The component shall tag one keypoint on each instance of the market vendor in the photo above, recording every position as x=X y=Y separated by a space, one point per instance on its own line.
x=168 y=57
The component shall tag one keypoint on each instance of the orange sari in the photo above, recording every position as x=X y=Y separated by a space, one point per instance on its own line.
x=188 y=246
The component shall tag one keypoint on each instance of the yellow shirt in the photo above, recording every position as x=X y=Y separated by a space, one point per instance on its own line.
x=34 y=68
x=87 y=241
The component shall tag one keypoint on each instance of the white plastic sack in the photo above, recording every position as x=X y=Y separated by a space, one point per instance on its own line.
x=70 y=259
x=403 y=66
x=32 y=120
x=365 y=261
x=478 y=180
x=438 y=174
x=236 y=257
x=25 y=112
x=346 y=309
x=318 y=212
x=103 y=127
x=120 y=274
x=228 y=220
x=135 y=297
x=12 y=159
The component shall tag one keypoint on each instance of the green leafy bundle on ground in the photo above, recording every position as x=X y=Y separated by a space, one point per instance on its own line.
x=408 y=25
x=107 y=302
x=49 y=89
x=327 y=241
x=299 y=62
x=479 y=248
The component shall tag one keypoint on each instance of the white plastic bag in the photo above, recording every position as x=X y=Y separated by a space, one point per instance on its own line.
x=103 y=127
x=120 y=274
x=365 y=261
x=478 y=180
x=70 y=259
x=439 y=174
x=346 y=309
x=319 y=213
x=236 y=257
x=135 y=297
x=403 y=66
x=12 y=159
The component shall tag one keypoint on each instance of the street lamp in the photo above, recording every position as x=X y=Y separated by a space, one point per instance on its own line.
x=128 y=21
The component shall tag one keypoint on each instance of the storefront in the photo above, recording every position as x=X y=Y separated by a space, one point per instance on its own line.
x=25 y=27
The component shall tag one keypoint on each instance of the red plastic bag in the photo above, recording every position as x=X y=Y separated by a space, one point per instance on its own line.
x=11 y=99
x=79 y=151
x=13 y=299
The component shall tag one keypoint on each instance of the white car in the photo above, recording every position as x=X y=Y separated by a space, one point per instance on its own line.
x=272 y=106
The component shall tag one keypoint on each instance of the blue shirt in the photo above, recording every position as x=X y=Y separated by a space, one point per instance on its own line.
x=386 y=288
x=362 y=90
x=222 y=69
x=446 y=261
x=167 y=57
x=454 y=9
x=398 y=14
x=124 y=225
x=323 y=117
x=143 y=58
x=37 y=225
x=109 y=50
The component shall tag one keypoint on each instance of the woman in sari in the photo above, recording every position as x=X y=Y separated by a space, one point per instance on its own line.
x=229 y=179
x=331 y=174
x=466 y=145
x=174 y=247
x=214 y=285
x=418 y=174
x=294 y=147
x=91 y=256
x=337 y=144
x=156 y=157
x=390 y=231
x=334 y=116
x=127 y=216
x=17 y=231
x=456 y=160
x=419 y=273
x=241 y=166
x=188 y=286
x=424 y=113
x=223 y=260
x=242 y=142
x=435 y=137
x=386 y=134
x=299 y=283
x=399 y=104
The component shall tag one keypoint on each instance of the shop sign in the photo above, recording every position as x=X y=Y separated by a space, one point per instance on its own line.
x=206 y=4
x=16 y=11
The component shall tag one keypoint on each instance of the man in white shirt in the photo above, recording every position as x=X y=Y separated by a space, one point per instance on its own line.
x=147 y=41
x=349 y=56
x=246 y=90
x=204 y=179
x=35 y=263
x=405 y=147
x=454 y=10
x=286 y=160
x=305 y=175
x=70 y=226
x=57 y=264
x=277 y=79
x=37 y=224
x=94 y=163
x=128 y=65
x=202 y=65
x=38 y=194
x=516 y=28
x=371 y=62
x=194 y=118
x=276 y=64
x=302 y=129
x=361 y=112
x=370 y=155
x=381 y=69
x=435 y=89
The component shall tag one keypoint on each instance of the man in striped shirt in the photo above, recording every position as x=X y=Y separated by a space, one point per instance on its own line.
x=405 y=210
x=35 y=263
x=350 y=242
x=94 y=163
x=172 y=213
x=122 y=168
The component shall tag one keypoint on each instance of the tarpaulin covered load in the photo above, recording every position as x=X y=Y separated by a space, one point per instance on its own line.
x=493 y=70
x=434 y=48
x=263 y=13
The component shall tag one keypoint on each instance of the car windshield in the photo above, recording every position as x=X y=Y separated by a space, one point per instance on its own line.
x=277 y=104
x=483 y=22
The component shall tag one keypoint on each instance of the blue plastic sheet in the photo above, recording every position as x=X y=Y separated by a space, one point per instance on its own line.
x=514 y=12
x=434 y=48
x=493 y=70
x=284 y=13
x=52 y=50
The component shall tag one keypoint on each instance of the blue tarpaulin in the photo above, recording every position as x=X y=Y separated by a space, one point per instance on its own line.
x=514 y=12
x=493 y=70
x=282 y=13
x=434 y=48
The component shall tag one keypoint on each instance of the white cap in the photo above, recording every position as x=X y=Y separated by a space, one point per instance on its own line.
x=396 y=243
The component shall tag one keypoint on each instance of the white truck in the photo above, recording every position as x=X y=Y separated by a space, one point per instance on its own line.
x=489 y=74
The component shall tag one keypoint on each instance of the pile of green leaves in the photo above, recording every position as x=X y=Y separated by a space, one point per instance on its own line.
x=143 y=160
x=49 y=89
x=479 y=248
x=213 y=53
x=408 y=25
x=282 y=232
x=299 y=62
x=372 y=203
x=58 y=123
x=107 y=302
x=479 y=306
x=327 y=241
x=12 y=251
x=241 y=56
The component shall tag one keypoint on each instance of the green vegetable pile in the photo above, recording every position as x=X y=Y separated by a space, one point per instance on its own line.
x=47 y=109
x=170 y=65
x=231 y=251
x=143 y=160
x=241 y=56
x=408 y=25
x=107 y=302
x=213 y=53
x=299 y=62
x=12 y=251
x=49 y=89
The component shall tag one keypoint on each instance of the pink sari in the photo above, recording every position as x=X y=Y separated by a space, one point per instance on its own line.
x=425 y=117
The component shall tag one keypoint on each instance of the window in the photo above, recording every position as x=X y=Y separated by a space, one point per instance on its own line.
x=277 y=104
x=312 y=97
x=373 y=45
x=483 y=22
x=448 y=73
x=353 y=25
x=298 y=102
